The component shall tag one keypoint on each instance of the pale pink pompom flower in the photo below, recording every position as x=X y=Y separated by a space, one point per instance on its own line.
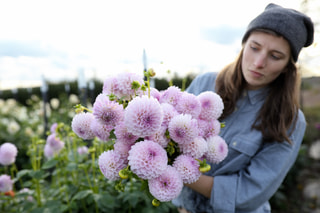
x=81 y=125
x=211 y=105
x=110 y=86
x=160 y=137
x=53 y=128
x=107 y=112
x=155 y=93
x=167 y=186
x=53 y=146
x=123 y=148
x=6 y=184
x=217 y=149
x=110 y=163
x=143 y=116
x=189 y=104
x=188 y=168
x=48 y=151
x=171 y=95
x=124 y=85
x=168 y=113
x=82 y=150
x=196 y=148
x=183 y=128
x=122 y=134
x=8 y=153
x=209 y=128
x=100 y=130
x=54 y=142
x=147 y=159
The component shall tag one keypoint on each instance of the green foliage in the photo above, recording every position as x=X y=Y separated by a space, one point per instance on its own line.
x=312 y=115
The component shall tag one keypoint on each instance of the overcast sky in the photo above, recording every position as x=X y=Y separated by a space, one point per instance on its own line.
x=55 y=39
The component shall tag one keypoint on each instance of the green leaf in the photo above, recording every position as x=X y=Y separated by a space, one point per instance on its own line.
x=72 y=166
x=23 y=173
x=82 y=194
x=105 y=200
x=49 y=164
x=39 y=174
x=133 y=198
x=38 y=210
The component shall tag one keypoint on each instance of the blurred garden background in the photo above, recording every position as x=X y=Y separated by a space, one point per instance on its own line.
x=71 y=181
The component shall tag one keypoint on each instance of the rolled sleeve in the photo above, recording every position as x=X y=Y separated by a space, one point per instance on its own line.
x=223 y=194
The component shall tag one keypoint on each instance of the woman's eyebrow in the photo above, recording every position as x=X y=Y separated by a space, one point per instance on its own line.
x=274 y=50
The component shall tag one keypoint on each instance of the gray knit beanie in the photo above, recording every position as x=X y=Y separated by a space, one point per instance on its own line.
x=294 y=26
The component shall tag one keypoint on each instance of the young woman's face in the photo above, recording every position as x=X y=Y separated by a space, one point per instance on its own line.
x=264 y=58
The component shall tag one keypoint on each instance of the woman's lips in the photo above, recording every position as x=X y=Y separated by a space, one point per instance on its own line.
x=256 y=74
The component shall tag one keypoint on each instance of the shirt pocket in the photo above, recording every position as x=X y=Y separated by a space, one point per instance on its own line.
x=241 y=150
x=244 y=145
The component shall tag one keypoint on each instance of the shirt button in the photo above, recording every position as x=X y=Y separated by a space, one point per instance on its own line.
x=234 y=143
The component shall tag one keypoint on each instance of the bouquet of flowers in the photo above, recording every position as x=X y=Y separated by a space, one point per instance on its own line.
x=164 y=138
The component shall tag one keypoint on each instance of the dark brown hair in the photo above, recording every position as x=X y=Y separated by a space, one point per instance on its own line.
x=280 y=108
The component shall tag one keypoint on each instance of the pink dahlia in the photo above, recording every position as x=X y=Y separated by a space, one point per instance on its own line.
x=122 y=148
x=107 y=112
x=167 y=186
x=209 y=128
x=6 y=183
x=124 y=85
x=143 y=116
x=110 y=163
x=196 y=148
x=147 y=159
x=188 y=168
x=54 y=142
x=53 y=146
x=53 y=128
x=155 y=93
x=81 y=125
x=171 y=95
x=211 y=105
x=110 y=86
x=168 y=113
x=122 y=134
x=183 y=128
x=100 y=130
x=160 y=137
x=82 y=150
x=48 y=151
x=189 y=104
x=8 y=153
x=217 y=149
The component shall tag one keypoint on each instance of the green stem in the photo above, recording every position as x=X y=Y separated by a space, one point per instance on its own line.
x=88 y=179
x=38 y=191
x=148 y=79
x=94 y=171
x=75 y=153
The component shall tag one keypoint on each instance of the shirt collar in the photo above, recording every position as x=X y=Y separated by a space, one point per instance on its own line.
x=255 y=96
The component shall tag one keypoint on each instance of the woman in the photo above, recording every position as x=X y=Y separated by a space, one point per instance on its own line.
x=264 y=126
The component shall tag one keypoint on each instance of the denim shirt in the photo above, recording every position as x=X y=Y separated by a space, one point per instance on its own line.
x=253 y=171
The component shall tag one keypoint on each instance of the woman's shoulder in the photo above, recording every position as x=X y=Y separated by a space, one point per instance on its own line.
x=203 y=82
x=301 y=120
x=207 y=76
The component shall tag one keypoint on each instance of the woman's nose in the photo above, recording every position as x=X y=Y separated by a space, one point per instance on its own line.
x=260 y=61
